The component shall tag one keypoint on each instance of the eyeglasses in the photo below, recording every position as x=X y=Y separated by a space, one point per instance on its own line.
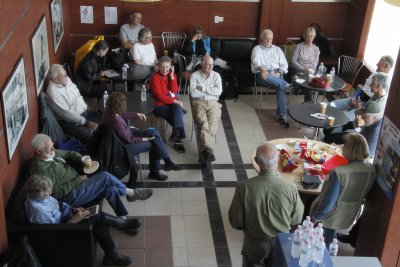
x=148 y=37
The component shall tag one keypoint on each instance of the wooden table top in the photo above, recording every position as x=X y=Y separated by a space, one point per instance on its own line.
x=295 y=175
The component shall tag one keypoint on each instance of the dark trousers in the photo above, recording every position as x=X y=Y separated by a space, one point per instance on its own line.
x=156 y=147
x=96 y=90
x=173 y=114
x=329 y=235
x=81 y=132
x=336 y=135
x=102 y=233
x=258 y=253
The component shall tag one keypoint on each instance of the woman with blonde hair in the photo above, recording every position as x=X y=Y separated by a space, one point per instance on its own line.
x=306 y=56
x=345 y=188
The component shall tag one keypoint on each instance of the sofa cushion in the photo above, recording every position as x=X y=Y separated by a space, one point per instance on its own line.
x=236 y=49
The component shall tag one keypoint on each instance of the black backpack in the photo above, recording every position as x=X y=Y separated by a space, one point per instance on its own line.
x=230 y=89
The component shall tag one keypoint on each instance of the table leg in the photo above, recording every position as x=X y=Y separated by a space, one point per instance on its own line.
x=125 y=86
x=315 y=96
x=316 y=133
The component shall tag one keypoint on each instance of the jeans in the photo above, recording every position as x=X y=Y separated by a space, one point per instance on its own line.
x=329 y=235
x=173 y=114
x=344 y=104
x=257 y=253
x=100 y=185
x=156 y=147
x=279 y=84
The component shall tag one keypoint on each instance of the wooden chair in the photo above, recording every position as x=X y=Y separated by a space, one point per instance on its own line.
x=173 y=40
x=348 y=68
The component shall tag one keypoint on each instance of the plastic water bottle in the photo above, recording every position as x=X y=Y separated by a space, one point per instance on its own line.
x=321 y=70
x=332 y=72
x=333 y=247
x=305 y=256
x=296 y=244
x=318 y=255
x=319 y=231
x=306 y=223
x=143 y=95
x=105 y=97
x=124 y=71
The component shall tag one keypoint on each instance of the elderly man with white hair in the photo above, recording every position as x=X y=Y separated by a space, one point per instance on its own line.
x=69 y=107
x=264 y=206
x=269 y=64
x=78 y=190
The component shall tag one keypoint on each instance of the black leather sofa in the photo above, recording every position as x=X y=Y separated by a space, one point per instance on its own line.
x=61 y=245
x=237 y=52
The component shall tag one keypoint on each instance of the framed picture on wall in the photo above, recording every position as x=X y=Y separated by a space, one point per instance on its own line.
x=15 y=105
x=57 y=23
x=40 y=52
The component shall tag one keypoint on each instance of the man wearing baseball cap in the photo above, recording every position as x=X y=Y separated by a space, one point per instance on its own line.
x=368 y=117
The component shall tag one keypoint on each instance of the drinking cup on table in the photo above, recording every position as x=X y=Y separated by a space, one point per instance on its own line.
x=311 y=71
x=165 y=52
x=87 y=161
x=323 y=107
x=328 y=79
x=331 y=120
x=310 y=77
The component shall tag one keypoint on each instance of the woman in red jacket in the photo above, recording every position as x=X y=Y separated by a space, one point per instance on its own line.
x=164 y=88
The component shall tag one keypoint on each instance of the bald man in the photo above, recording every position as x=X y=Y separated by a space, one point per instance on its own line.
x=264 y=206
x=205 y=89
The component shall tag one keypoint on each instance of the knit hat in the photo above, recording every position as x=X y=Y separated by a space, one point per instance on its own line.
x=370 y=107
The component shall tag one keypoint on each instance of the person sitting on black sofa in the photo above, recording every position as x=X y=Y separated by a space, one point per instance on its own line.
x=74 y=189
x=42 y=208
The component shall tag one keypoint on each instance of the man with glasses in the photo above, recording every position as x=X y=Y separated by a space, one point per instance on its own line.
x=269 y=64
x=69 y=107
x=205 y=89
x=128 y=33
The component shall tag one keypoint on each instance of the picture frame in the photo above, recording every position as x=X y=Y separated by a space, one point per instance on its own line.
x=40 y=53
x=57 y=22
x=15 y=106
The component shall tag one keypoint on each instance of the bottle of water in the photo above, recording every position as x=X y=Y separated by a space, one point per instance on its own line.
x=319 y=231
x=143 y=95
x=296 y=244
x=333 y=247
x=305 y=224
x=105 y=97
x=305 y=256
x=318 y=255
x=124 y=72
x=321 y=70
x=332 y=72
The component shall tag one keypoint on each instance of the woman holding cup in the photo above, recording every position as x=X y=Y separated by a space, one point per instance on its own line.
x=164 y=89
x=305 y=57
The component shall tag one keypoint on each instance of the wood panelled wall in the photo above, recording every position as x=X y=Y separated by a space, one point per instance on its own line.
x=18 y=21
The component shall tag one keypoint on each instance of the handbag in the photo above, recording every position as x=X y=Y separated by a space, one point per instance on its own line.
x=117 y=57
x=288 y=50
x=21 y=255
x=318 y=82
x=85 y=49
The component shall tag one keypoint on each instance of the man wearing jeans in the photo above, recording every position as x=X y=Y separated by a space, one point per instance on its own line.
x=264 y=206
x=205 y=89
x=78 y=190
x=269 y=64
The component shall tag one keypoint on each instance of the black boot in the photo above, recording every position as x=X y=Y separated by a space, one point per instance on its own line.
x=170 y=165
x=130 y=226
x=111 y=256
x=114 y=258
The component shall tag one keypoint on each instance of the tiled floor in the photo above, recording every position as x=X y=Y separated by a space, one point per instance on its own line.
x=186 y=219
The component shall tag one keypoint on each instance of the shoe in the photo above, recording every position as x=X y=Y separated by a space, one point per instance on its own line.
x=284 y=121
x=172 y=167
x=116 y=259
x=343 y=238
x=202 y=158
x=157 y=176
x=179 y=148
x=140 y=194
x=175 y=141
x=210 y=155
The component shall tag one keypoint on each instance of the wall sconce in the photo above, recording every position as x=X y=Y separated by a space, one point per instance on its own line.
x=393 y=2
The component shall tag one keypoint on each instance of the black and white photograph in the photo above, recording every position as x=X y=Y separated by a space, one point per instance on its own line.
x=57 y=23
x=40 y=51
x=15 y=103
